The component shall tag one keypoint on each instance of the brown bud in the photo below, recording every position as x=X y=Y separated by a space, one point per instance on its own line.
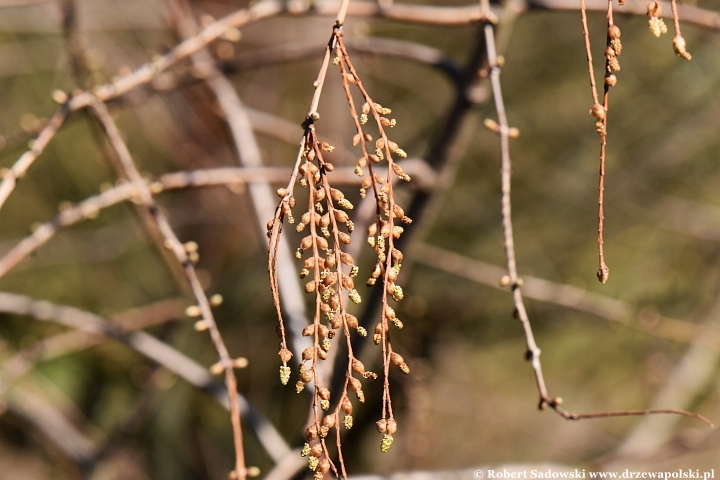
x=322 y=331
x=336 y=194
x=598 y=111
x=306 y=243
x=611 y=80
x=680 y=47
x=351 y=320
x=346 y=406
x=316 y=450
x=392 y=275
x=307 y=375
x=308 y=331
x=358 y=366
x=330 y=261
x=329 y=421
x=344 y=238
x=319 y=195
x=654 y=9
x=311 y=433
x=346 y=258
x=355 y=384
x=341 y=216
x=391 y=427
x=310 y=286
x=324 y=466
x=307 y=354
x=285 y=355
x=330 y=279
x=324 y=393
x=322 y=243
x=396 y=359
x=381 y=426
x=613 y=32
x=348 y=282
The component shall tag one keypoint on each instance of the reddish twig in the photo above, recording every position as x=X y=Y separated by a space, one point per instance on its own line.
x=533 y=352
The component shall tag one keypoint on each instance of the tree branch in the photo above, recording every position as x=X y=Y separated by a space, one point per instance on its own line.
x=152 y=348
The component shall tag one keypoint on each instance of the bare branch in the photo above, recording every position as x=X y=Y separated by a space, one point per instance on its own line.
x=173 y=243
x=685 y=383
x=53 y=424
x=533 y=352
x=157 y=351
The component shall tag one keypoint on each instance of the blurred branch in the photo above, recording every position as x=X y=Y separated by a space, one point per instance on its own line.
x=288 y=467
x=123 y=85
x=157 y=351
x=697 y=219
x=65 y=343
x=75 y=44
x=569 y=296
x=220 y=28
x=685 y=384
x=432 y=14
x=91 y=207
x=536 y=288
x=440 y=163
x=385 y=47
x=172 y=243
x=248 y=155
x=53 y=424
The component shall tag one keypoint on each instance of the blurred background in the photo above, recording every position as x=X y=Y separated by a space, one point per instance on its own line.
x=92 y=407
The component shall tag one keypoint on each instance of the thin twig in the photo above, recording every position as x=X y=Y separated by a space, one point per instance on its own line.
x=533 y=352
x=145 y=196
x=248 y=155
